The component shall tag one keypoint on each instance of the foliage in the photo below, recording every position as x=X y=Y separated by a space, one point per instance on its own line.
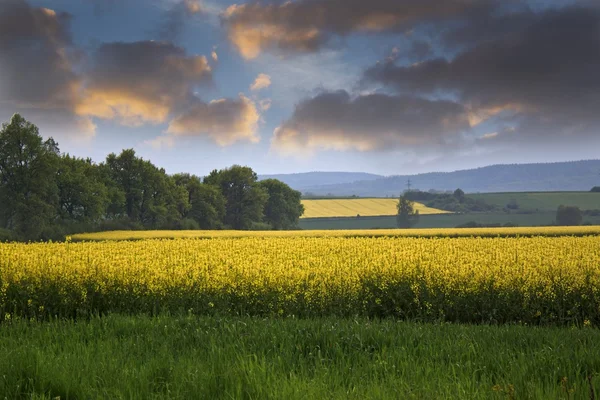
x=595 y=189
x=83 y=196
x=283 y=207
x=470 y=280
x=407 y=216
x=455 y=202
x=568 y=216
x=207 y=203
x=45 y=195
x=28 y=164
x=459 y=195
x=245 y=198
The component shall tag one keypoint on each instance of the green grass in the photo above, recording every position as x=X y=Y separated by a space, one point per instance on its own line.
x=439 y=221
x=543 y=201
x=120 y=357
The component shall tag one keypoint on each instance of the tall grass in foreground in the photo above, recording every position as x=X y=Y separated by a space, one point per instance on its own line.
x=120 y=357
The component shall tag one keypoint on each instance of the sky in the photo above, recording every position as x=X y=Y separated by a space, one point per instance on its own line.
x=382 y=86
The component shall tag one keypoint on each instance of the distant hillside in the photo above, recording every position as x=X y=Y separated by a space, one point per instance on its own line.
x=301 y=181
x=560 y=176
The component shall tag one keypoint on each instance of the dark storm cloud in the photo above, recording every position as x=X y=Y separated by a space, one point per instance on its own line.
x=335 y=120
x=307 y=25
x=535 y=81
x=37 y=66
x=543 y=79
x=35 y=56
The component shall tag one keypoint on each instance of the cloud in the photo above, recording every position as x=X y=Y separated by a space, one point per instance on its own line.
x=265 y=104
x=308 y=25
x=541 y=82
x=226 y=121
x=175 y=18
x=262 y=81
x=36 y=62
x=140 y=82
x=214 y=56
x=37 y=68
x=337 y=121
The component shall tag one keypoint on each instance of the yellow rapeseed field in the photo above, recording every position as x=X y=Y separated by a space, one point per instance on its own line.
x=435 y=232
x=532 y=280
x=354 y=207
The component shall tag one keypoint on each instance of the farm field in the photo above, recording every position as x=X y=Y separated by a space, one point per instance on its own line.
x=434 y=221
x=182 y=357
x=547 y=231
x=352 y=207
x=449 y=313
x=542 y=201
x=468 y=279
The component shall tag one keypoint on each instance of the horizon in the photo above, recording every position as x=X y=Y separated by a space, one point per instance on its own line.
x=386 y=87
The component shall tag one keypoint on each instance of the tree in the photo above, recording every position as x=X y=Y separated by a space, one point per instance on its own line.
x=459 y=195
x=407 y=217
x=207 y=204
x=595 y=189
x=245 y=198
x=151 y=197
x=82 y=194
x=28 y=191
x=568 y=216
x=283 y=207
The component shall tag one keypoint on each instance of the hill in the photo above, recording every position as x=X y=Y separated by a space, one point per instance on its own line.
x=301 y=181
x=560 y=176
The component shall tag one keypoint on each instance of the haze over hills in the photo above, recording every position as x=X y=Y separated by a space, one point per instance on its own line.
x=558 y=176
x=301 y=181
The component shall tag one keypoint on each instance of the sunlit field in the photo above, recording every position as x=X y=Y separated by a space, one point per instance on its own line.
x=436 y=232
x=437 y=313
x=533 y=280
x=353 y=207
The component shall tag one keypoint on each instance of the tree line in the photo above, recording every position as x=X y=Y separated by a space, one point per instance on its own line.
x=45 y=194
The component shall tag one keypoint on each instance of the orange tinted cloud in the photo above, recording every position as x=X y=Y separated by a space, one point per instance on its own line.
x=262 y=81
x=226 y=121
x=141 y=82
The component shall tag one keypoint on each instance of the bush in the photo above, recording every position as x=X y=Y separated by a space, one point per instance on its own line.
x=260 y=226
x=568 y=216
x=188 y=224
x=121 y=224
x=6 y=236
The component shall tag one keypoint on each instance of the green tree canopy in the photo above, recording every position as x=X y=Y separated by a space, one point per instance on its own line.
x=407 y=217
x=82 y=194
x=28 y=191
x=207 y=204
x=568 y=216
x=151 y=196
x=245 y=198
x=283 y=207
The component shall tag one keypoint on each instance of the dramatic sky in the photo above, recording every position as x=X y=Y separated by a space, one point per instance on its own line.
x=382 y=86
